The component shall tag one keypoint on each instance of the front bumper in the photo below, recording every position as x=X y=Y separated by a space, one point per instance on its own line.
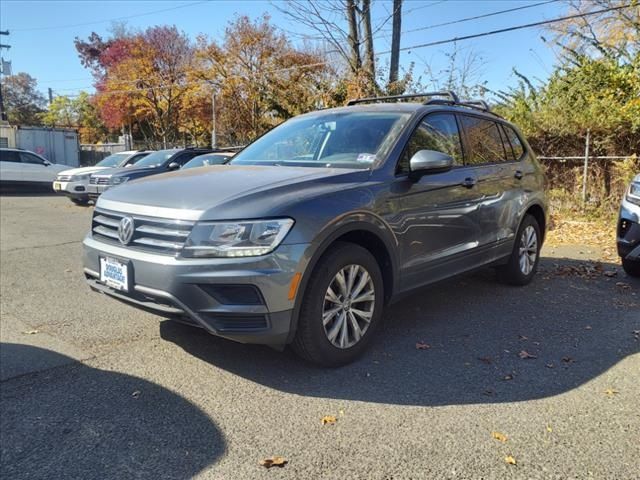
x=71 y=189
x=628 y=232
x=189 y=289
x=95 y=190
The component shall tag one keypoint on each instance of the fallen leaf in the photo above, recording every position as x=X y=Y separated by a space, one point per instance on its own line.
x=499 y=436
x=522 y=337
x=136 y=394
x=549 y=429
x=510 y=460
x=489 y=393
x=328 y=420
x=422 y=346
x=31 y=332
x=526 y=355
x=508 y=376
x=610 y=273
x=588 y=327
x=549 y=365
x=273 y=462
x=568 y=360
x=610 y=391
x=67 y=270
x=623 y=285
x=486 y=360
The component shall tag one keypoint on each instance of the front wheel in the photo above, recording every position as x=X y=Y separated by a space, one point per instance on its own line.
x=632 y=267
x=341 y=307
x=523 y=261
x=80 y=201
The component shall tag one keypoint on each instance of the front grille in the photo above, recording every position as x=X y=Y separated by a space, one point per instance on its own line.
x=99 y=180
x=64 y=178
x=159 y=235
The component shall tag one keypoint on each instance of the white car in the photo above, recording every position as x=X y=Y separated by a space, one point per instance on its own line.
x=19 y=168
x=73 y=183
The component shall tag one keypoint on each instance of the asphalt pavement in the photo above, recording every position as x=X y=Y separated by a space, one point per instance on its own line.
x=465 y=377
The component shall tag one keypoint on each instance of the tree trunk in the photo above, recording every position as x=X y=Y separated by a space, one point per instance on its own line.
x=369 y=60
x=395 y=41
x=354 y=36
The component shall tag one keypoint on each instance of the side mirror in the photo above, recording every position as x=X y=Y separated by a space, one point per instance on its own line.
x=429 y=161
x=174 y=166
x=46 y=163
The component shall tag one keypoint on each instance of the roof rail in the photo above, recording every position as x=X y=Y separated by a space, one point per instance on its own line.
x=449 y=94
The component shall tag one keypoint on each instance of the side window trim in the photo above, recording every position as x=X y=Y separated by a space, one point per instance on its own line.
x=422 y=119
x=505 y=143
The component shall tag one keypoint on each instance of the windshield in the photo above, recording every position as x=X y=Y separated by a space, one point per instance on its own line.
x=113 y=160
x=339 y=140
x=205 y=160
x=156 y=158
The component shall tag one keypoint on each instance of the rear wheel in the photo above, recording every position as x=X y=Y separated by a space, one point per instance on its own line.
x=523 y=261
x=632 y=267
x=341 y=307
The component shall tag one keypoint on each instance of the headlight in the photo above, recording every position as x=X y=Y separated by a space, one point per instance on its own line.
x=236 y=239
x=633 y=195
x=80 y=178
x=118 y=180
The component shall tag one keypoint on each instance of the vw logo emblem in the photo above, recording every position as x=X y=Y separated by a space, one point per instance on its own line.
x=125 y=230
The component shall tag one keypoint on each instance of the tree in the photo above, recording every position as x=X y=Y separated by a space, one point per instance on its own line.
x=340 y=23
x=61 y=113
x=258 y=77
x=22 y=101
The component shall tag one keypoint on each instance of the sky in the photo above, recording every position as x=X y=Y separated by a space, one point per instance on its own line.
x=42 y=33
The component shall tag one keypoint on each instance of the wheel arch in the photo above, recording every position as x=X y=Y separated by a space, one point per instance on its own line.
x=375 y=237
x=537 y=211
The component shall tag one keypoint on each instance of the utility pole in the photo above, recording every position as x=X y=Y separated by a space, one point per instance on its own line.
x=50 y=96
x=3 y=113
x=214 y=142
x=395 y=41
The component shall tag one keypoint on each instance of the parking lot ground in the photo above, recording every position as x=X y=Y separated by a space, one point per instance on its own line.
x=92 y=388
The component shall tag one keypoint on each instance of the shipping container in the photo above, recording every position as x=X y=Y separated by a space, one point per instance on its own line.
x=58 y=145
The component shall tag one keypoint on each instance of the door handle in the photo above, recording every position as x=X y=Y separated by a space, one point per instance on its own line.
x=518 y=175
x=469 y=182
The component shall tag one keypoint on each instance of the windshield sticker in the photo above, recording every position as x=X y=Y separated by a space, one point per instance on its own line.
x=366 y=158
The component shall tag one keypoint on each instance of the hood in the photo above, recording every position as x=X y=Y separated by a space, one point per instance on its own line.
x=82 y=170
x=129 y=170
x=221 y=190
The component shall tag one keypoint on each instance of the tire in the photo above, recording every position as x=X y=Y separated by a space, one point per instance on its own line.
x=312 y=341
x=80 y=201
x=631 y=267
x=515 y=272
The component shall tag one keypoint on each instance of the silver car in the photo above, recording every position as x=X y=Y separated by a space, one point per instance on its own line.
x=311 y=230
x=629 y=229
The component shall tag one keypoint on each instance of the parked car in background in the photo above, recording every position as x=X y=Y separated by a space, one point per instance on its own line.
x=74 y=182
x=217 y=158
x=629 y=229
x=310 y=230
x=21 y=168
x=157 y=162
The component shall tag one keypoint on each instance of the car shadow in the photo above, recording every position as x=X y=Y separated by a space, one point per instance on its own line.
x=470 y=340
x=81 y=422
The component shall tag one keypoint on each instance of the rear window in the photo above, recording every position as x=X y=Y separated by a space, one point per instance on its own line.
x=485 y=142
x=9 y=156
x=514 y=141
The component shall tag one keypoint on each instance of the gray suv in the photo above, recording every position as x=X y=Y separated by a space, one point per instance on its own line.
x=311 y=230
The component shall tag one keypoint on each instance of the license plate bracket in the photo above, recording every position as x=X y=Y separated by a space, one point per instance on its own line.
x=115 y=273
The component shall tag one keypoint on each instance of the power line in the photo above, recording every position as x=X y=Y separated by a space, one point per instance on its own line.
x=432 y=4
x=477 y=17
x=509 y=29
x=108 y=20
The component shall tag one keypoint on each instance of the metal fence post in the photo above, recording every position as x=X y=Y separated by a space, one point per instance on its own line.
x=584 y=173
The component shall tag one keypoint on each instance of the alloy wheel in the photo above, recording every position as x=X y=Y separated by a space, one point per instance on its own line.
x=528 y=251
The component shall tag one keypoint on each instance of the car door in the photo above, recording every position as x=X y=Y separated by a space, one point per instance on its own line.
x=35 y=169
x=435 y=217
x=10 y=166
x=491 y=157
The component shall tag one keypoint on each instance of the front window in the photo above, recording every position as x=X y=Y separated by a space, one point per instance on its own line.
x=112 y=160
x=333 y=140
x=156 y=159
